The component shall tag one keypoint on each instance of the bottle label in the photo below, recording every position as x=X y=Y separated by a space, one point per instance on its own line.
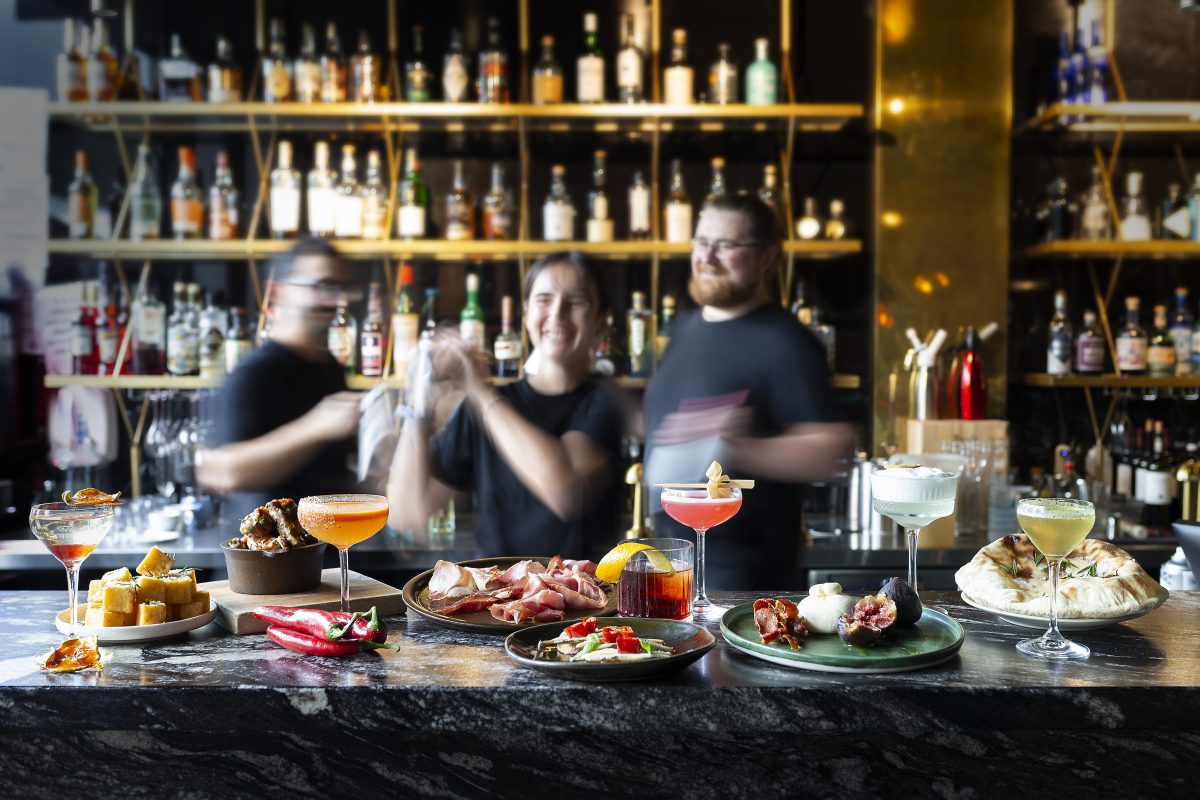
x=559 y=223
x=1124 y=485
x=410 y=221
x=639 y=210
x=1089 y=354
x=1183 y=351
x=187 y=216
x=417 y=86
x=349 y=223
x=679 y=223
x=79 y=212
x=1156 y=487
x=722 y=84
x=372 y=354
x=1058 y=356
x=599 y=230
x=341 y=345
x=547 y=89
x=374 y=219
x=285 y=210
x=1160 y=359
x=333 y=82
x=277 y=82
x=81 y=340
x=235 y=351
x=590 y=84
x=322 y=210
x=212 y=356
x=308 y=83
x=1094 y=222
x=405 y=334
x=497 y=224
x=108 y=340
x=677 y=86
x=143 y=219
x=222 y=220
x=460 y=226
x=637 y=337
x=629 y=70
x=454 y=81
x=72 y=81
x=471 y=331
x=761 y=86
x=507 y=349
x=182 y=353
x=1131 y=354
x=600 y=207
x=1135 y=228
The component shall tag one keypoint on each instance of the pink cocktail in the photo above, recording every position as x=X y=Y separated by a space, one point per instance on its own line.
x=694 y=508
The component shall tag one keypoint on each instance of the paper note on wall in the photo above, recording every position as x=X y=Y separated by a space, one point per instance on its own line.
x=53 y=311
x=24 y=193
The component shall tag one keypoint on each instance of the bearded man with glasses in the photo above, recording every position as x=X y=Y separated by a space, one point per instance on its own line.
x=744 y=383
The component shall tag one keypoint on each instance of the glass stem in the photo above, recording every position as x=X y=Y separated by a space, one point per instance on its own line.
x=912 y=556
x=700 y=594
x=72 y=597
x=344 y=563
x=1052 y=635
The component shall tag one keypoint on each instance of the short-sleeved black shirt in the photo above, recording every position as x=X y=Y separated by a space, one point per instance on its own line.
x=512 y=520
x=768 y=362
x=271 y=387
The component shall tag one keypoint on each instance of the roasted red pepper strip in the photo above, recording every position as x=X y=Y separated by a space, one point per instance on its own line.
x=582 y=628
x=629 y=644
x=331 y=626
x=312 y=646
x=613 y=634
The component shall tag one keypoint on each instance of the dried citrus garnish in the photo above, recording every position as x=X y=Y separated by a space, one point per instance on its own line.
x=74 y=655
x=91 y=497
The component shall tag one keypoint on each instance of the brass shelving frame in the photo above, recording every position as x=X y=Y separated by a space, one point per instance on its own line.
x=1156 y=250
x=1116 y=118
x=1110 y=381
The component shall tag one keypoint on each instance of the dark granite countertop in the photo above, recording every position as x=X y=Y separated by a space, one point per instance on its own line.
x=448 y=714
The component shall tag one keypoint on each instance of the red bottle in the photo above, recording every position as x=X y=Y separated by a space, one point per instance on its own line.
x=84 y=358
x=972 y=381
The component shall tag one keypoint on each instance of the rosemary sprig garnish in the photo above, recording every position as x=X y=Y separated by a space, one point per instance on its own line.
x=1038 y=559
x=1010 y=570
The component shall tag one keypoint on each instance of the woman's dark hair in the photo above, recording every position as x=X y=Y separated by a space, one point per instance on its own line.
x=586 y=269
x=764 y=225
x=284 y=265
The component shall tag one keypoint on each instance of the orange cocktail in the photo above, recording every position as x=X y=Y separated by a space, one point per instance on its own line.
x=343 y=520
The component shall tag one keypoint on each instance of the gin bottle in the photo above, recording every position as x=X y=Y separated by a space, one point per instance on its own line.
x=1059 y=346
x=1131 y=341
x=1094 y=220
x=599 y=224
x=321 y=193
x=1135 y=220
x=723 y=78
x=589 y=87
x=762 y=77
x=629 y=65
x=558 y=212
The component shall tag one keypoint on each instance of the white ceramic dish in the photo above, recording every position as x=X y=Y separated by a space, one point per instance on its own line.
x=1064 y=624
x=127 y=634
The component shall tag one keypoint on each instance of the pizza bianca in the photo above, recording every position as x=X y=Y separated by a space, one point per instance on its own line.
x=1098 y=580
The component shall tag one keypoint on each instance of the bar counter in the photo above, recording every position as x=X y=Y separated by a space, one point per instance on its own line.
x=448 y=714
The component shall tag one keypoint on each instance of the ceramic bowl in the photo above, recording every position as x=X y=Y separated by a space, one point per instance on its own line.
x=297 y=569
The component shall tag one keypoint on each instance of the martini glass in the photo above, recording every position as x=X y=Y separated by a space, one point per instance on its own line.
x=694 y=508
x=71 y=533
x=1056 y=526
x=913 y=498
x=343 y=520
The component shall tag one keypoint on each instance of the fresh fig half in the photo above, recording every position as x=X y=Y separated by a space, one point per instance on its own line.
x=854 y=632
x=877 y=610
x=908 y=604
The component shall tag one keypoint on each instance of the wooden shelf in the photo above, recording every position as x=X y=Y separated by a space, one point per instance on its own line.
x=132 y=382
x=1141 y=117
x=1158 y=249
x=1110 y=381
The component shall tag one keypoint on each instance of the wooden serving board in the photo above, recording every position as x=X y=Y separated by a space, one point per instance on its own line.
x=236 y=611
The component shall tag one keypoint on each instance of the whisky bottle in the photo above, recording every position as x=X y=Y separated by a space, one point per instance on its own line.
x=102 y=65
x=716 y=189
x=416 y=71
x=1090 y=347
x=224 y=75
x=178 y=75
x=639 y=208
x=333 y=67
x=809 y=226
x=1182 y=321
x=1059 y=345
x=836 y=226
x=82 y=196
x=223 y=201
x=149 y=332
x=558 y=212
x=413 y=213
x=71 y=67
x=507 y=346
x=637 y=334
x=406 y=324
x=493 y=67
x=372 y=344
x=456 y=82
x=723 y=78
x=276 y=72
x=497 y=209
x=599 y=223
x=762 y=77
x=679 y=78
x=677 y=213
x=375 y=198
x=145 y=200
x=306 y=67
x=629 y=65
x=1131 y=341
x=348 y=207
x=1094 y=218
x=284 y=195
x=471 y=320
x=1135 y=220
x=187 y=205
x=769 y=191
x=589 y=87
x=238 y=339
x=366 y=71
x=1160 y=352
x=321 y=193
x=342 y=338
x=84 y=359
x=460 y=209
x=547 y=78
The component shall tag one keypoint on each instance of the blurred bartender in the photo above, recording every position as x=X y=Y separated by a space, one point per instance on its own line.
x=743 y=383
x=286 y=421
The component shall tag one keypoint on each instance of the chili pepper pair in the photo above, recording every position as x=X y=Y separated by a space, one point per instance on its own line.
x=324 y=633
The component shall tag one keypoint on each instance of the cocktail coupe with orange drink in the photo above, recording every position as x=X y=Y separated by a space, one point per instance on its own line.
x=71 y=533
x=343 y=520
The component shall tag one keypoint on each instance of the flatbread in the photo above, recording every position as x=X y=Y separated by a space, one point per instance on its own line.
x=1100 y=581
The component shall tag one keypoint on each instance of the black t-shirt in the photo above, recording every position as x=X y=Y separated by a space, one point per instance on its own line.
x=512 y=520
x=271 y=387
x=765 y=361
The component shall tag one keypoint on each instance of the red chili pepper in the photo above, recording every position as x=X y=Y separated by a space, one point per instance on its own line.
x=362 y=625
x=612 y=634
x=629 y=644
x=582 y=628
x=331 y=626
x=313 y=646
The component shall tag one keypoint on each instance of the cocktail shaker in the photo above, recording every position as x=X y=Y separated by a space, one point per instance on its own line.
x=861 y=516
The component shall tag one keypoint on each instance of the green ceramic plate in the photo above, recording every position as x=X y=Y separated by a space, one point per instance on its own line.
x=936 y=638
x=690 y=643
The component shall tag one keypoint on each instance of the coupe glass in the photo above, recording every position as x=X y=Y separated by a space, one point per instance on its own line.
x=913 y=503
x=343 y=520
x=694 y=508
x=1056 y=526
x=71 y=533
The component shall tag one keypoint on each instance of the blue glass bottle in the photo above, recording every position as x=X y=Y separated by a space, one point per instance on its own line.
x=1097 y=57
x=762 y=77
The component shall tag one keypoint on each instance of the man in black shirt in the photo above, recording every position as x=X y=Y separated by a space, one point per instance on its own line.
x=286 y=420
x=743 y=383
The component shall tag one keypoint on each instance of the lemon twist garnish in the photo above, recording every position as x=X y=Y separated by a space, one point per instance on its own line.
x=610 y=567
x=718 y=483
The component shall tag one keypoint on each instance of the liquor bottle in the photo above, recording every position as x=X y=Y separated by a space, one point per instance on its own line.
x=1160 y=352
x=471 y=325
x=84 y=360
x=1079 y=70
x=460 y=209
x=1193 y=204
x=1054 y=214
x=663 y=337
x=285 y=195
x=187 y=203
x=1135 y=219
x=238 y=339
x=507 y=346
x=406 y=324
x=375 y=198
x=211 y=342
x=607 y=353
x=82 y=196
x=637 y=335
x=717 y=188
x=677 y=212
x=277 y=72
x=429 y=321
x=102 y=66
x=1158 y=478
x=177 y=362
x=547 y=78
x=1059 y=343
x=762 y=77
x=414 y=200
x=493 y=67
x=1064 y=75
x=224 y=75
x=639 y=208
x=416 y=71
x=589 y=68
x=1097 y=60
x=972 y=382
x=342 y=338
x=1120 y=436
x=307 y=68
x=679 y=78
x=372 y=345
x=826 y=336
x=802 y=310
x=1131 y=341
x=366 y=73
x=809 y=226
x=1173 y=217
x=1094 y=219
x=348 y=207
x=558 y=212
x=149 y=334
x=321 y=193
x=178 y=75
x=723 y=78
x=497 y=209
x=333 y=67
x=629 y=65
x=836 y=226
x=108 y=334
x=123 y=324
x=456 y=83
x=769 y=191
x=1181 y=331
x=223 y=200
x=1089 y=347
x=599 y=223
x=71 y=67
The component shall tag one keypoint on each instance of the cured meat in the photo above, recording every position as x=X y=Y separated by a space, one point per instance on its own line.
x=554 y=563
x=578 y=593
x=779 y=619
x=580 y=566
x=527 y=591
x=449 y=580
x=519 y=570
x=462 y=603
x=485 y=578
x=522 y=611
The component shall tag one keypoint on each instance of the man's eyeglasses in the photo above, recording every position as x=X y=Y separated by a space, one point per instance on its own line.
x=722 y=247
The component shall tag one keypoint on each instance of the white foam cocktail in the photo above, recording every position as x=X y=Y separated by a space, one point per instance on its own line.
x=913 y=497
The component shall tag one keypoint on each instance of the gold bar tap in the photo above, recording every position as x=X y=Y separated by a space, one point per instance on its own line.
x=633 y=477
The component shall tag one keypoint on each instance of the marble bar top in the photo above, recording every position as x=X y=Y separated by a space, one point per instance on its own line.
x=449 y=714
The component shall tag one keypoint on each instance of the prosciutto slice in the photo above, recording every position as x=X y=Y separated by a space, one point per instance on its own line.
x=520 y=570
x=580 y=566
x=450 y=580
x=462 y=603
x=519 y=611
x=578 y=592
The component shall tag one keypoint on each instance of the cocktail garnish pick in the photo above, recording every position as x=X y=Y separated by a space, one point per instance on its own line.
x=91 y=497
x=718 y=485
x=901 y=466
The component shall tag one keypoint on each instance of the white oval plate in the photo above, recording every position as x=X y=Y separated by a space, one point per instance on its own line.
x=126 y=634
x=1064 y=624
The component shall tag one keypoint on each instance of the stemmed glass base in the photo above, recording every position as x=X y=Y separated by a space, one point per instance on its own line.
x=344 y=564
x=702 y=607
x=911 y=535
x=1053 y=647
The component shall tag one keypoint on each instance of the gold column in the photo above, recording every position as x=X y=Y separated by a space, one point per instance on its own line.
x=943 y=107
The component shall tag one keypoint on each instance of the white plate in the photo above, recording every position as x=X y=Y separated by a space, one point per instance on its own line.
x=126 y=634
x=1064 y=624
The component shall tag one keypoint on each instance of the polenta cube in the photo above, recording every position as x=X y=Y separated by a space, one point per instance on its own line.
x=99 y=618
x=180 y=588
x=116 y=576
x=151 y=589
x=189 y=610
x=152 y=613
x=120 y=597
x=202 y=597
x=95 y=592
x=156 y=563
